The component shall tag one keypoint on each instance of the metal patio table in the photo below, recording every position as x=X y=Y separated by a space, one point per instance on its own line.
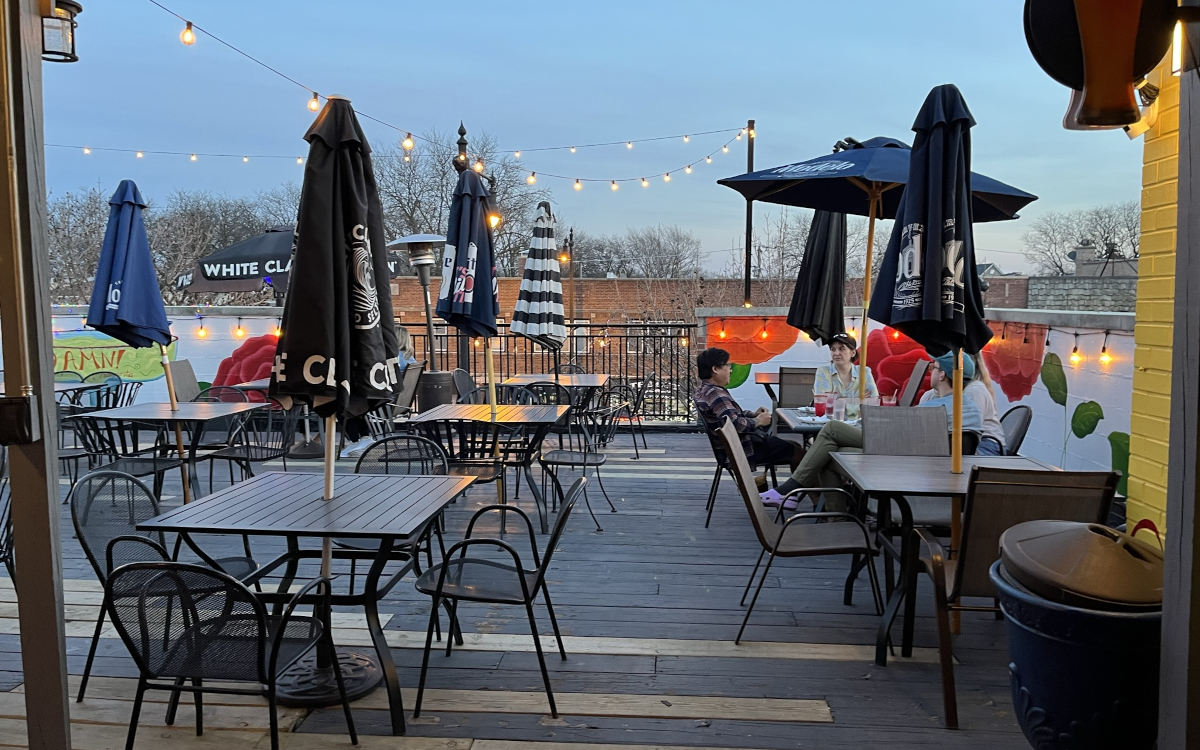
x=895 y=478
x=538 y=419
x=193 y=416
x=393 y=509
x=767 y=380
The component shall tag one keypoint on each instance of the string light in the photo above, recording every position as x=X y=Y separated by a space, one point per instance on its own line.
x=683 y=341
x=572 y=149
x=239 y=332
x=708 y=159
x=516 y=154
x=245 y=159
x=721 y=333
x=407 y=144
x=201 y=332
x=738 y=137
x=1105 y=357
x=645 y=183
x=895 y=335
x=140 y=154
x=192 y=157
x=407 y=157
x=687 y=169
x=494 y=219
x=1075 y=357
x=278 y=330
x=751 y=132
x=299 y=159
x=314 y=104
x=531 y=179
x=86 y=150
x=614 y=186
x=628 y=144
x=763 y=334
x=187 y=36
x=578 y=186
x=1004 y=331
x=666 y=177
x=478 y=166
x=725 y=149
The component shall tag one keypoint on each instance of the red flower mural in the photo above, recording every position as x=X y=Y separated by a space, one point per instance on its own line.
x=1014 y=357
x=250 y=361
x=750 y=341
x=891 y=356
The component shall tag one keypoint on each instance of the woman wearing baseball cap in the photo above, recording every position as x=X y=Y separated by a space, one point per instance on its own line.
x=840 y=376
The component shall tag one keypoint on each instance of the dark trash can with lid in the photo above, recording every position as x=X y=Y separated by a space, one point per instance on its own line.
x=1083 y=605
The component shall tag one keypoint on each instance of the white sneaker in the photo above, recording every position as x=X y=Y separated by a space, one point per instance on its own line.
x=355 y=449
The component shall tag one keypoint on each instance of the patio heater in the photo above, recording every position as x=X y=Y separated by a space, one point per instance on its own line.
x=436 y=386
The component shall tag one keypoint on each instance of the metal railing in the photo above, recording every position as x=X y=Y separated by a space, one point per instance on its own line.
x=628 y=353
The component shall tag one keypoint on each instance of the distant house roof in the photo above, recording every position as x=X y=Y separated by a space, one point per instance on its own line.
x=988 y=269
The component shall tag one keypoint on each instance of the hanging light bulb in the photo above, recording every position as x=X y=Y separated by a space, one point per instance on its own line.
x=245 y=159
x=708 y=159
x=725 y=149
x=516 y=154
x=687 y=169
x=1075 y=357
x=683 y=341
x=1105 y=357
x=239 y=332
x=478 y=166
x=645 y=183
x=407 y=144
x=86 y=150
x=895 y=335
x=563 y=257
x=140 y=154
x=751 y=132
x=614 y=186
x=192 y=157
x=278 y=330
x=628 y=144
x=531 y=179
x=687 y=138
x=299 y=159
x=578 y=185
x=187 y=36
x=666 y=177
x=494 y=219
x=407 y=157
x=738 y=137
x=201 y=332
x=721 y=334
x=572 y=149
x=314 y=104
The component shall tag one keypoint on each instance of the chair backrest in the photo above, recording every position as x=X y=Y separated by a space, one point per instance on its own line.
x=221 y=393
x=564 y=512
x=402 y=454
x=67 y=376
x=107 y=438
x=184 y=378
x=407 y=393
x=909 y=395
x=796 y=385
x=569 y=368
x=740 y=466
x=464 y=439
x=549 y=392
x=998 y=499
x=1016 y=423
x=463 y=383
x=905 y=431
x=106 y=505
x=6 y=542
x=643 y=388
x=272 y=428
x=184 y=620
x=102 y=376
x=126 y=392
x=505 y=394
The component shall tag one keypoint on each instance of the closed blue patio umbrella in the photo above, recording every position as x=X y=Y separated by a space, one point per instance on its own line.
x=930 y=289
x=468 y=298
x=126 y=300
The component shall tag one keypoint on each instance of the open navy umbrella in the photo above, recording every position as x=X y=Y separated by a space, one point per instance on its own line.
x=861 y=179
x=126 y=301
x=539 y=314
x=338 y=350
x=930 y=288
x=817 y=302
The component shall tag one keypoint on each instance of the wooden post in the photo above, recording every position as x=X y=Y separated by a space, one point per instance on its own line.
x=183 y=469
x=28 y=354
x=749 y=211
x=874 y=199
x=1179 y=678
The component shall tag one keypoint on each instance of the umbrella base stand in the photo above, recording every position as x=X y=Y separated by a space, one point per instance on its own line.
x=313 y=448
x=307 y=684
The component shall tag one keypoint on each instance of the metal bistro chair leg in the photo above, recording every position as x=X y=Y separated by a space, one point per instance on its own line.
x=433 y=616
x=754 y=599
x=537 y=644
x=136 y=713
x=553 y=622
x=91 y=657
x=712 y=496
x=754 y=572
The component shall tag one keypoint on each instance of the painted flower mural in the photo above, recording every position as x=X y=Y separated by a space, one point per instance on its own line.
x=1014 y=357
x=891 y=356
x=750 y=341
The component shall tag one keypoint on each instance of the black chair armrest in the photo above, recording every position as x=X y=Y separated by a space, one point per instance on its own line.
x=133 y=539
x=321 y=604
x=462 y=547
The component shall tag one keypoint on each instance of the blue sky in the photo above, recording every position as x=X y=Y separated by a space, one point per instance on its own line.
x=536 y=74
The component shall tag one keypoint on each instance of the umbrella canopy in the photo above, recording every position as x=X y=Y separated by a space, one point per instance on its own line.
x=244 y=266
x=338 y=348
x=929 y=289
x=126 y=302
x=468 y=298
x=817 y=302
x=838 y=182
x=539 y=313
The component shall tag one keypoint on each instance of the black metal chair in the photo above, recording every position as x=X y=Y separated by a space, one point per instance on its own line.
x=591 y=455
x=463 y=383
x=569 y=368
x=998 y=499
x=67 y=376
x=264 y=435
x=117 y=445
x=469 y=573
x=104 y=397
x=1015 y=423
x=6 y=527
x=472 y=447
x=382 y=420
x=187 y=623
x=505 y=394
x=796 y=537
x=106 y=507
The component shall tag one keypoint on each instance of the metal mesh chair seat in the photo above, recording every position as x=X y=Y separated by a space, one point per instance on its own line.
x=479 y=580
x=231 y=648
x=563 y=457
x=483 y=471
x=254 y=453
x=142 y=466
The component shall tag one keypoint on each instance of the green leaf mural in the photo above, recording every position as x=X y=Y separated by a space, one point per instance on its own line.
x=1054 y=378
x=1119 y=442
x=738 y=374
x=1087 y=415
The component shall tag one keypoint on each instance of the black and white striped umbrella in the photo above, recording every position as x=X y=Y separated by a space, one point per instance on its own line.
x=539 y=313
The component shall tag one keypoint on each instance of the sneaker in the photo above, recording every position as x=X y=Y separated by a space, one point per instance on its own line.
x=355 y=449
x=771 y=498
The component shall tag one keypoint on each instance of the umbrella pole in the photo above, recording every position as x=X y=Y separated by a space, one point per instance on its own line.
x=330 y=455
x=490 y=368
x=183 y=469
x=956 y=437
x=873 y=201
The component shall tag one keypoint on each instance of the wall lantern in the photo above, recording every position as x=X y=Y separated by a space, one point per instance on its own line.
x=58 y=31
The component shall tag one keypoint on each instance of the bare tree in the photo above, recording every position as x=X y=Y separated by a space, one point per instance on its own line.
x=663 y=252
x=595 y=256
x=277 y=207
x=1114 y=229
x=75 y=224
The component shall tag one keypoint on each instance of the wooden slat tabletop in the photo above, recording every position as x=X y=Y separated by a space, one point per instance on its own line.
x=580 y=380
x=921 y=475
x=505 y=413
x=187 y=411
x=290 y=504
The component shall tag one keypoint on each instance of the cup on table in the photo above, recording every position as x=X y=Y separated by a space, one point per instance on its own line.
x=871 y=401
x=852 y=408
x=819 y=405
x=839 y=409
x=888 y=400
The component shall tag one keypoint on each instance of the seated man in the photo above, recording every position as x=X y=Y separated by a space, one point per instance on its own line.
x=814 y=470
x=714 y=404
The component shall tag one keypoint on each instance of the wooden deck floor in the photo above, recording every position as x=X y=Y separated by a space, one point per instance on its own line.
x=649 y=608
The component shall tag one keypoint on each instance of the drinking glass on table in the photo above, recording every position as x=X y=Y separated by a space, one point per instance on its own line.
x=839 y=409
x=819 y=405
x=888 y=400
x=852 y=404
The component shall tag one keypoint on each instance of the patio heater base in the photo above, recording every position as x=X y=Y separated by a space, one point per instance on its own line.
x=306 y=684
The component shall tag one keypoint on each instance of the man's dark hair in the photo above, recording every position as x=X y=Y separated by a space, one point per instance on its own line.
x=708 y=359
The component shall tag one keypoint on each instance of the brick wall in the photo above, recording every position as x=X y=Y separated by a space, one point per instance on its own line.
x=1007 y=291
x=1150 y=422
x=1091 y=293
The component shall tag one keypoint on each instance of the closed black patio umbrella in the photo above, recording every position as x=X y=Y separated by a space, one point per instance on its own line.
x=817 y=302
x=539 y=314
x=929 y=287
